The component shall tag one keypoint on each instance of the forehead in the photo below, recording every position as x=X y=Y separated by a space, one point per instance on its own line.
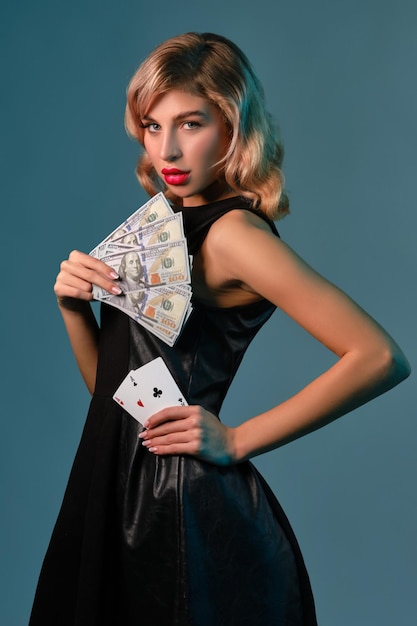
x=176 y=101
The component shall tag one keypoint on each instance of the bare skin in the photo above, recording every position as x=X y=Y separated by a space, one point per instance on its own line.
x=73 y=289
x=184 y=130
x=369 y=361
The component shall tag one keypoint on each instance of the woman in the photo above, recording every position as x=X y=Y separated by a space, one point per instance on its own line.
x=171 y=524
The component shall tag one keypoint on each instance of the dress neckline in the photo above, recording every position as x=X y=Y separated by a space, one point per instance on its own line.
x=224 y=203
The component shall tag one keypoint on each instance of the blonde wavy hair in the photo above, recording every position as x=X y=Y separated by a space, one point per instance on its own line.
x=213 y=67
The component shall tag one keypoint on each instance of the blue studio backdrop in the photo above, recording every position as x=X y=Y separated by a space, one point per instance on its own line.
x=339 y=78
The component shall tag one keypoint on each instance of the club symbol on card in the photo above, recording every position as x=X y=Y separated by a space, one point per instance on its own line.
x=157 y=393
x=181 y=401
x=133 y=381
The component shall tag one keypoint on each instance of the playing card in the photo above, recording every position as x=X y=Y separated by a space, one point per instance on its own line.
x=149 y=389
x=127 y=394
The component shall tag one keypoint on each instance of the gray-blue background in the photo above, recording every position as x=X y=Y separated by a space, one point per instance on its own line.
x=340 y=79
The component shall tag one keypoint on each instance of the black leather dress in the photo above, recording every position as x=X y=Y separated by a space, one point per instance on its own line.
x=144 y=540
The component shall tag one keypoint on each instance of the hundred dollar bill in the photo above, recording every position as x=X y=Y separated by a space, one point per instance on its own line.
x=161 y=310
x=167 y=335
x=165 y=306
x=165 y=230
x=109 y=248
x=165 y=264
x=149 y=253
x=154 y=209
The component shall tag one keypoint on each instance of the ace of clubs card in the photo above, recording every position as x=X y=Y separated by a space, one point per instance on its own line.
x=147 y=390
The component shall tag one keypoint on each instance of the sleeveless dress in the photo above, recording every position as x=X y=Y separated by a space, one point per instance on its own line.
x=143 y=540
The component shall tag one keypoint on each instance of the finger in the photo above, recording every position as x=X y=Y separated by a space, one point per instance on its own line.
x=89 y=268
x=181 y=427
x=79 y=272
x=90 y=262
x=188 y=448
x=171 y=413
x=69 y=285
x=182 y=437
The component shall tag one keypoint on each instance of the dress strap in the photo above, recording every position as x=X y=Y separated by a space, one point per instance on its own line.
x=198 y=220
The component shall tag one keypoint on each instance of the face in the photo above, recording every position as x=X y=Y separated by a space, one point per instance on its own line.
x=185 y=137
x=129 y=239
x=132 y=266
x=135 y=296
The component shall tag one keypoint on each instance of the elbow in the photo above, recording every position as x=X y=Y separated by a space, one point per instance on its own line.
x=393 y=366
x=402 y=368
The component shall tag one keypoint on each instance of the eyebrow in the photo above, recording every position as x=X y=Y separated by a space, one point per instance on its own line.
x=181 y=116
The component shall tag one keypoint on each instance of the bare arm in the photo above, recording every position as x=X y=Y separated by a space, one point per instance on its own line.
x=369 y=361
x=73 y=288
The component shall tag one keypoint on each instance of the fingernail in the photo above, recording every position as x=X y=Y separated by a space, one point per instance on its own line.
x=114 y=275
x=152 y=449
x=116 y=290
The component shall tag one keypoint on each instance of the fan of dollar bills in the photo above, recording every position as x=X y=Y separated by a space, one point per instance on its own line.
x=149 y=253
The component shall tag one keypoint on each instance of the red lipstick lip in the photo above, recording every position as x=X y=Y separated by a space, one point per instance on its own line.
x=172 y=170
x=174 y=176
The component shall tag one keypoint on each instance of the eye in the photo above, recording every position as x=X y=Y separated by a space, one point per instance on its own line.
x=152 y=127
x=191 y=125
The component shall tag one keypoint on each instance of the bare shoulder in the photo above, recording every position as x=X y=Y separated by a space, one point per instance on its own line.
x=242 y=248
x=235 y=229
x=239 y=249
x=241 y=219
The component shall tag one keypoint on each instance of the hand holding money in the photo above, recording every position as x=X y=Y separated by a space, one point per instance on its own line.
x=149 y=253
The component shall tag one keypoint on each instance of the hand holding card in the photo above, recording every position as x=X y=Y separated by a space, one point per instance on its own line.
x=149 y=389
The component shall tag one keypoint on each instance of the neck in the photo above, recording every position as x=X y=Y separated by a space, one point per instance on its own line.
x=218 y=190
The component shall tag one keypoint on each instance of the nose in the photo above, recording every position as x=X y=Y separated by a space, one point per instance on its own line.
x=170 y=148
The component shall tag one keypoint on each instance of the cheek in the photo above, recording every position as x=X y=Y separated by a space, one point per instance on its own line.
x=212 y=150
x=147 y=146
x=221 y=145
x=150 y=146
